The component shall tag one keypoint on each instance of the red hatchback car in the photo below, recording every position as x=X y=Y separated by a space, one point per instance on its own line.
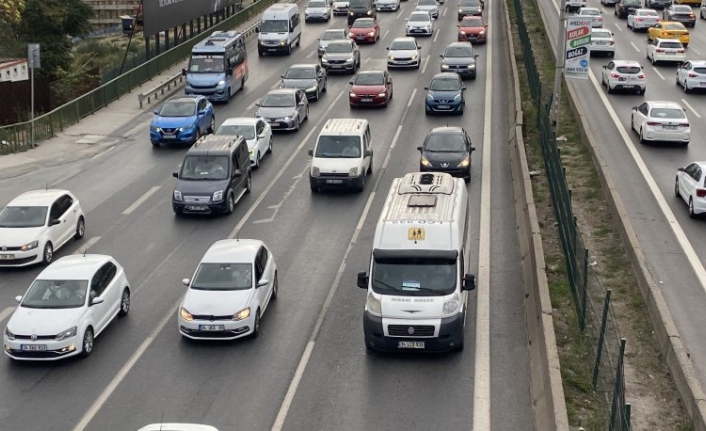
x=471 y=29
x=371 y=87
x=365 y=30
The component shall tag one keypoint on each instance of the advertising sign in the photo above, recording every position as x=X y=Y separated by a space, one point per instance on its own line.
x=160 y=15
x=578 y=47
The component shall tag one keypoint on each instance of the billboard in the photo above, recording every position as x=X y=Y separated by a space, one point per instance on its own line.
x=160 y=15
x=578 y=47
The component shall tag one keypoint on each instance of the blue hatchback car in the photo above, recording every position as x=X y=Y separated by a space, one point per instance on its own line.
x=182 y=120
x=445 y=94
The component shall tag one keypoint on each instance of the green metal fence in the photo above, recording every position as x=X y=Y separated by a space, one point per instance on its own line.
x=17 y=137
x=591 y=298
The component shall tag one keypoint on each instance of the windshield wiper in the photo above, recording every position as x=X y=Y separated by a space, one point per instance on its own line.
x=388 y=286
x=424 y=289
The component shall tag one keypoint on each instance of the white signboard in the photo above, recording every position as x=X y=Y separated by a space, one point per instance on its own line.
x=578 y=47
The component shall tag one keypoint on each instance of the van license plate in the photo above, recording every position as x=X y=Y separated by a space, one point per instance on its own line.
x=212 y=327
x=7 y=256
x=410 y=344
x=334 y=181
x=196 y=208
x=33 y=347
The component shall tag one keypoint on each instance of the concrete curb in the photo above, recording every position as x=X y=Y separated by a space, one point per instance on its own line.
x=545 y=370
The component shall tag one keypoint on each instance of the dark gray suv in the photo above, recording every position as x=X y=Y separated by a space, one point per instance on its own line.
x=213 y=177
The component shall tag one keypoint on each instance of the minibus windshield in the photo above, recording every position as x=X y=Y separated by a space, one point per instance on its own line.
x=414 y=276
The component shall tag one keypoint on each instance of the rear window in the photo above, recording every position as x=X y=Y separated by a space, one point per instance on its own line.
x=674 y=26
x=670 y=113
x=628 y=69
x=674 y=45
x=632 y=3
x=700 y=69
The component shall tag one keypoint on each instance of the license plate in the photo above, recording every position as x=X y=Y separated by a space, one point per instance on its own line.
x=410 y=344
x=212 y=327
x=33 y=347
x=169 y=136
x=334 y=181
x=272 y=49
x=196 y=207
x=336 y=66
x=671 y=53
x=628 y=86
x=702 y=84
x=7 y=256
x=366 y=100
x=361 y=37
x=669 y=127
x=443 y=106
x=417 y=30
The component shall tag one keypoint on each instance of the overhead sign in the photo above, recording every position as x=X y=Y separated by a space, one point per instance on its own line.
x=160 y=15
x=578 y=47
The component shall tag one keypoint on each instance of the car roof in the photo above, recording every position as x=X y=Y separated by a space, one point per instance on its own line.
x=373 y=71
x=340 y=42
x=403 y=39
x=589 y=8
x=244 y=121
x=446 y=129
x=217 y=145
x=681 y=6
x=420 y=12
x=626 y=62
x=283 y=91
x=660 y=40
x=663 y=104
x=644 y=9
x=232 y=250
x=461 y=44
x=74 y=267
x=446 y=75
x=698 y=62
x=303 y=66
x=38 y=198
x=177 y=427
x=601 y=30
x=672 y=22
x=334 y=30
x=185 y=98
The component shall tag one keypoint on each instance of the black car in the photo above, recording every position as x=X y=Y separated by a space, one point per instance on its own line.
x=447 y=149
x=213 y=177
x=361 y=9
x=680 y=13
x=623 y=8
x=309 y=78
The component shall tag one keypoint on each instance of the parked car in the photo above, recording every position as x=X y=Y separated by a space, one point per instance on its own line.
x=182 y=120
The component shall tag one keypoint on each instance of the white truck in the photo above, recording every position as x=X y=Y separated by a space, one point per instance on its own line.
x=417 y=287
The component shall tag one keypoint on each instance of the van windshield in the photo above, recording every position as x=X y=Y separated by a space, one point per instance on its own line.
x=414 y=276
x=338 y=147
x=204 y=167
x=208 y=63
x=275 y=26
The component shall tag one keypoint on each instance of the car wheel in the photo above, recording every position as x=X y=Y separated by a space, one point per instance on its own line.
x=362 y=183
x=80 y=228
x=298 y=125
x=212 y=126
x=686 y=87
x=676 y=188
x=642 y=138
x=318 y=94
x=610 y=90
x=229 y=94
x=48 y=255
x=256 y=325
x=258 y=158
x=197 y=136
x=370 y=167
x=468 y=178
x=611 y=54
x=248 y=183
x=124 y=303
x=691 y=208
x=275 y=287
x=306 y=114
x=459 y=347
x=325 y=86
x=230 y=203
x=156 y=145
x=87 y=343
x=269 y=146
x=642 y=92
x=654 y=62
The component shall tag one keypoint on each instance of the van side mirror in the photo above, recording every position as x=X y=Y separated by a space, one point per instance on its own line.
x=368 y=153
x=469 y=282
x=237 y=173
x=257 y=29
x=175 y=174
x=310 y=152
x=363 y=280
x=186 y=281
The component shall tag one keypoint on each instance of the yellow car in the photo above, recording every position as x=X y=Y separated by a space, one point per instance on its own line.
x=689 y=2
x=669 y=30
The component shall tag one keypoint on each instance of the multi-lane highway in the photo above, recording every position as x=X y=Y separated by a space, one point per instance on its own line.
x=308 y=369
x=644 y=174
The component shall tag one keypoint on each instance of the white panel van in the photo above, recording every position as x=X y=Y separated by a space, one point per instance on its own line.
x=280 y=29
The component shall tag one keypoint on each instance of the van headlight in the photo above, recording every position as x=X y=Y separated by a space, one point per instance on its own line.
x=218 y=196
x=373 y=305
x=465 y=162
x=282 y=42
x=65 y=334
x=29 y=246
x=353 y=172
x=241 y=315
x=177 y=195
x=451 y=306
x=315 y=171
x=221 y=83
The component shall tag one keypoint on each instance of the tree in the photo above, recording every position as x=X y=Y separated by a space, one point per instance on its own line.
x=11 y=10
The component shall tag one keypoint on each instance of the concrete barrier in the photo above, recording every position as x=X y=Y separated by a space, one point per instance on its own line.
x=547 y=390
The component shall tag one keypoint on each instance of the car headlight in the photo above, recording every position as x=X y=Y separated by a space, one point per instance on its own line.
x=351 y=34
x=221 y=83
x=371 y=34
x=373 y=305
x=288 y=118
x=30 y=246
x=9 y=335
x=415 y=56
x=383 y=94
x=351 y=13
x=187 y=127
x=471 y=66
x=430 y=97
x=370 y=12
x=154 y=128
x=444 y=66
x=251 y=152
x=312 y=88
x=324 y=60
x=242 y=314
x=457 y=97
x=465 y=162
x=177 y=195
x=391 y=57
x=460 y=11
x=462 y=32
x=218 y=196
x=315 y=171
x=424 y=161
x=353 y=172
x=185 y=314
x=482 y=32
x=66 y=334
x=451 y=306
x=349 y=60
x=352 y=94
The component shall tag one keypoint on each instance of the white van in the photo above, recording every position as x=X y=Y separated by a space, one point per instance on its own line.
x=417 y=286
x=343 y=155
x=280 y=29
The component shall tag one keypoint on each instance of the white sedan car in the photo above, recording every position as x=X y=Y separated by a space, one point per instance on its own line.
x=404 y=52
x=594 y=13
x=602 y=42
x=419 y=23
x=691 y=75
x=257 y=133
x=36 y=224
x=390 y=5
x=690 y=185
x=624 y=75
x=642 y=19
x=229 y=292
x=661 y=121
x=430 y=6
x=69 y=304
x=667 y=50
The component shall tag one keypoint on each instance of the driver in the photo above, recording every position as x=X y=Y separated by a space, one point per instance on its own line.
x=59 y=290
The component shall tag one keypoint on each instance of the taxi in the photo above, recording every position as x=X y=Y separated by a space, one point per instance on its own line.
x=669 y=30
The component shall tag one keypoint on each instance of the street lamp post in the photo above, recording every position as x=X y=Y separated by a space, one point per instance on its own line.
x=559 y=68
x=33 y=60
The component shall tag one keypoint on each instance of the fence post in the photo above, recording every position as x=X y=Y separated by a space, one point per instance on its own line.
x=601 y=337
x=628 y=414
x=618 y=389
x=585 y=288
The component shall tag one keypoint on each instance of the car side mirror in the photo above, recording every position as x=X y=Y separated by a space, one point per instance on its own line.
x=262 y=282
x=634 y=108
x=388 y=48
x=281 y=76
x=485 y=26
x=472 y=148
x=605 y=66
x=368 y=153
x=18 y=298
x=185 y=281
x=96 y=301
x=350 y=82
x=469 y=282
x=54 y=222
x=257 y=29
x=183 y=72
x=426 y=88
x=310 y=152
x=202 y=112
x=257 y=104
x=475 y=55
x=463 y=88
x=420 y=148
x=261 y=135
x=363 y=280
x=237 y=173
x=175 y=174
x=678 y=169
x=441 y=55
x=156 y=112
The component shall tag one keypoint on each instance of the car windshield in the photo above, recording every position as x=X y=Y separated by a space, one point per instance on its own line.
x=458 y=51
x=667 y=113
x=359 y=4
x=364 y=23
x=470 y=3
x=204 y=167
x=223 y=276
x=445 y=84
x=445 y=143
x=274 y=26
x=23 y=217
x=338 y=147
x=300 y=73
x=333 y=35
x=419 y=17
x=674 y=26
x=670 y=44
x=369 y=79
x=178 y=109
x=278 y=101
x=410 y=276
x=601 y=34
x=648 y=13
x=403 y=45
x=206 y=63
x=339 y=48
x=317 y=4
x=471 y=22
x=247 y=131
x=628 y=69
x=56 y=294
x=426 y=3
x=632 y=3
x=590 y=12
x=683 y=9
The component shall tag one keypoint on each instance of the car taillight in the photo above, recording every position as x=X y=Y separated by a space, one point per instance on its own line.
x=614 y=75
x=638 y=19
x=641 y=76
x=612 y=42
x=664 y=33
x=701 y=193
x=659 y=50
x=680 y=51
x=653 y=123
x=684 y=125
x=600 y=19
x=693 y=75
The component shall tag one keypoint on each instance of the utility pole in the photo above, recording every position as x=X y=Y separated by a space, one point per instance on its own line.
x=559 y=68
x=34 y=62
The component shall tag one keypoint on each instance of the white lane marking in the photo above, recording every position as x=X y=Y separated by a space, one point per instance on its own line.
x=311 y=54
x=436 y=36
x=657 y=72
x=4 y=314
x=252 y=105
x=411 y=98
x=276 y=207
x=304 y=361
x=481 y=379
x=85 y=247
x=108 y=391
x=618 y=27
x=399 y=14
x=635 y=46
x=101 y=154
x=284 y=167
x=384 y=35
x=141 y=200
x=426 y=63
x=691 y=48
x=394 y=142
x=444 y=12
x=367 y=60
x=691 y=108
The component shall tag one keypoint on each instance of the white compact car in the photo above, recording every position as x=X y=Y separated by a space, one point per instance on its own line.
x=34 y=225
x=419 y=23
x=341 y=7
x=690 y=185
x=390 y=5
x=642 y=19
x=661 y=121
x=595 y=15
x=257 y=133
x=602 y=42
x=404 y=52
x=691 y=75
x=666 y=50
x=624 y=75
x=317 y=10
x=67 y=306
x=430 y=6
x=229 y=292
